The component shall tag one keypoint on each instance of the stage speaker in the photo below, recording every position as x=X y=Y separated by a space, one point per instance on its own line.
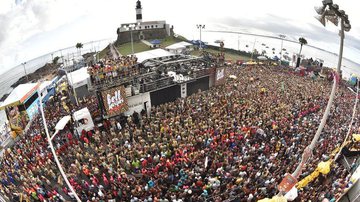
x=298 y=62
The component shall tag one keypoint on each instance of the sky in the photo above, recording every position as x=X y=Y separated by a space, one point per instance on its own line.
x=30 y=28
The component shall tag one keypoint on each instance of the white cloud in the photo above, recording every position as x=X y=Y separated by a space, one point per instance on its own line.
x=34 y=27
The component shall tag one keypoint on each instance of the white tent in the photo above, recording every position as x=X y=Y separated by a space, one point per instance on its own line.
x=262 y=57
x=20 y=94
x=179 y=47
x=84 y=119
x=151 y=54
x=78 y=78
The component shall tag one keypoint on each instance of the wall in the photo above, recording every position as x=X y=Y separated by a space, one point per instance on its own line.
x=149 y=34
x=136 y=103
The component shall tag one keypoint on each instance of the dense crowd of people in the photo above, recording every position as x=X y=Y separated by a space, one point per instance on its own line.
x=110 y=69
x=234 y=142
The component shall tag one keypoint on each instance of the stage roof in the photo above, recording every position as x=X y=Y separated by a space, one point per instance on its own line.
x=179 y=45
x=20 y=94
x=151 y=54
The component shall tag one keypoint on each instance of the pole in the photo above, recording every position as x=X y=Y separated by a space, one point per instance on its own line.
x=27 y=77
x=252 y=53
x=239 y=43
x=132 y=43
x=74 y=91
x=342 y=36
x=200 y=38
x=311 y=147
x=54 y=153
x=282 y=42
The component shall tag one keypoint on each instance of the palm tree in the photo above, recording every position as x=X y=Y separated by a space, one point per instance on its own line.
x=79 y=46
x=302 y=42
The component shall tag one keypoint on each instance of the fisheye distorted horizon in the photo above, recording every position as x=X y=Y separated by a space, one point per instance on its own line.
x=33 y=28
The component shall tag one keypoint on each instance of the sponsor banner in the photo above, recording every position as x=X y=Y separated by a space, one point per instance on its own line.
x=115 y=101
x=220 y=76
x=287 y=183
x=17 y=119
x=33 y=109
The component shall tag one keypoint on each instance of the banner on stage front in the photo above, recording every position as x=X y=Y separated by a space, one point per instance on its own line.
x=115 y=101
x=220 y=76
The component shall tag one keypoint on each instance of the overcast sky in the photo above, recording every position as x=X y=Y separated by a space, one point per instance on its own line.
x=30 y=28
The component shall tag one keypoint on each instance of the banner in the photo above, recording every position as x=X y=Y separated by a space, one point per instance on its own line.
x=33 y=109
x=220 y=76
x=115 y=101
x=17 y=119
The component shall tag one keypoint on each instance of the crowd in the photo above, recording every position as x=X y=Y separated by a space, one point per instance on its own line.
x=108 y=70
x=234 y=142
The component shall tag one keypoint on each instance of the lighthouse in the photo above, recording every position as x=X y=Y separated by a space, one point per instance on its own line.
x=138 y=12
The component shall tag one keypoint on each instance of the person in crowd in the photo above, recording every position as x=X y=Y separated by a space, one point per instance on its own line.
x=234 y=142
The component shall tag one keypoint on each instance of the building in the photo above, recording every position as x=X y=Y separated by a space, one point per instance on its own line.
x=142 y=30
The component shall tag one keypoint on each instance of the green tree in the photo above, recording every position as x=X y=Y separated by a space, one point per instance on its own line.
x=79 y=46
x=55 y=60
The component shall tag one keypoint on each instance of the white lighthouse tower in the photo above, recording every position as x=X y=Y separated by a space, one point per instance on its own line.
x=138 y=12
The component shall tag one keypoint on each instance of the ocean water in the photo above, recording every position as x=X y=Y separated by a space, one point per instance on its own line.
x=14 y=74
x=231 y=40
x=11 y=76
x=240 y=41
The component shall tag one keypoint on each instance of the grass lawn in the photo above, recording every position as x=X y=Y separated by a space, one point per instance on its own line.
x=102 y=53
x=228 y=56
x=170 y=41
x=126 y=49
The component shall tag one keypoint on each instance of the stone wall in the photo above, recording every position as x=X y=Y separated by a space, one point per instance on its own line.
x=148 y=34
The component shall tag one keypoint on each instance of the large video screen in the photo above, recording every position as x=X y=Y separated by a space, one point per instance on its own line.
x=115 y=101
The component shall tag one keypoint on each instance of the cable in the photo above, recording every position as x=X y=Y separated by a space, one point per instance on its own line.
x=350 y=124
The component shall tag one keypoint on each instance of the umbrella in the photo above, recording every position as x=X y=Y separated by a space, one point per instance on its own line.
x=155 y=42
x=261 y=58
x=233 y=77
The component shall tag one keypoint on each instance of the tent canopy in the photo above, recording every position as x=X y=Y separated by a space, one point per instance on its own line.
x=20 y=94
x=262 y=58
x=155 y=42
x=44 y=85
x=78 y=78
x=151 y=54
x=179 y=45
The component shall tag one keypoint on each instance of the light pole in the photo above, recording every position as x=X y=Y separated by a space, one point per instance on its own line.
x=27 y=78
x=53 y=150
x=333 y=14
x=253 y=50
x=200 y=27
x=239 y=43
x=130 y=28
x=282 y=41
x=72 y=82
